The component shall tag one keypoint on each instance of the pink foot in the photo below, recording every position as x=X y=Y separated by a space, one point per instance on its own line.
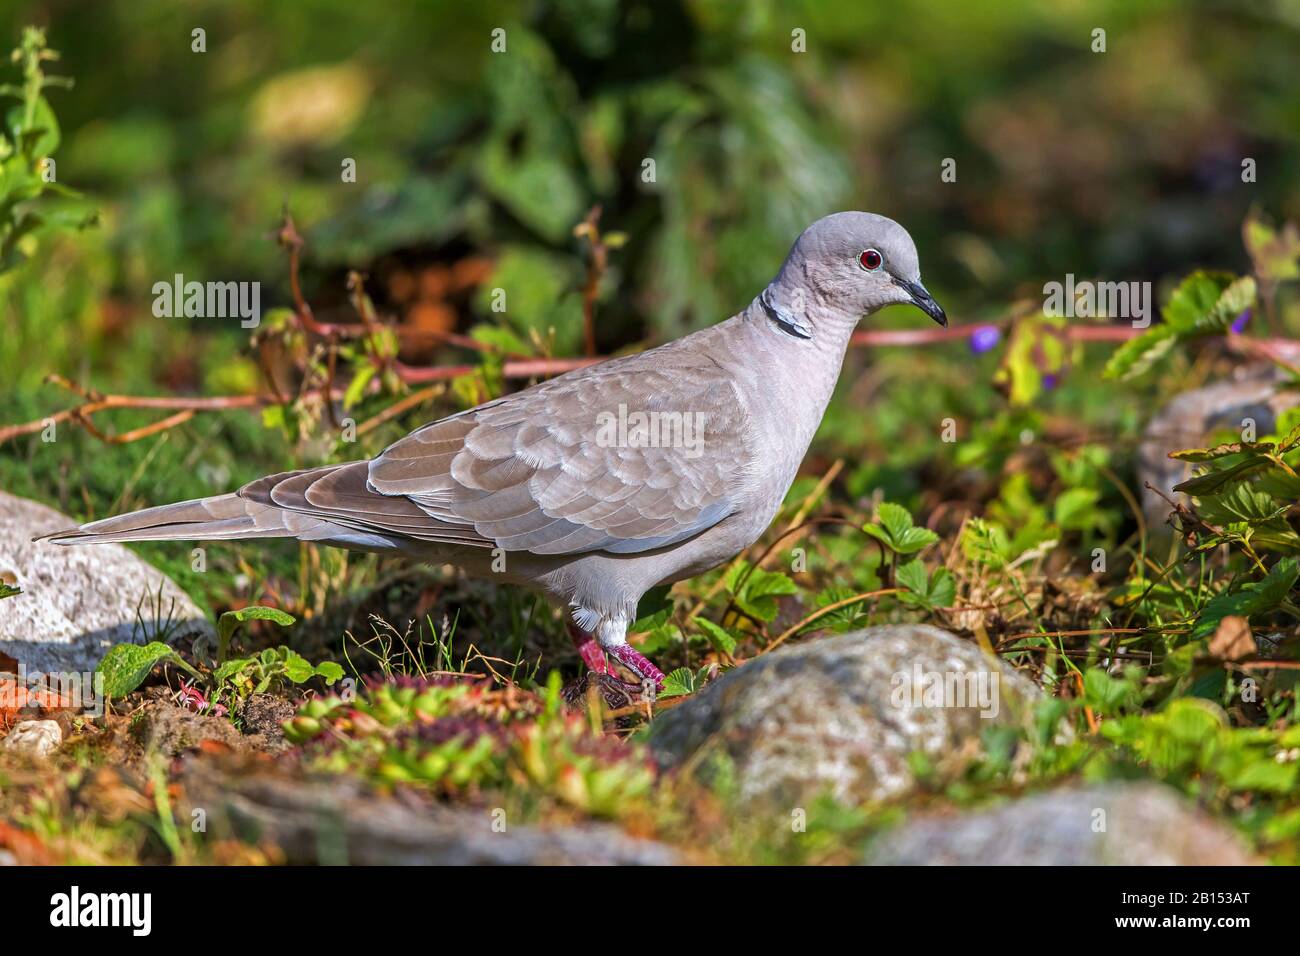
x=636 y=662
x=589 y=650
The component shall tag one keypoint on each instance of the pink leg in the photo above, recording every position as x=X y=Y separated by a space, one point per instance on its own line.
x=589 y=650
x=636 y=662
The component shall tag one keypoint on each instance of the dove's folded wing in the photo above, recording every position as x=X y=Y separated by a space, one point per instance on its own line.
x=567 y=467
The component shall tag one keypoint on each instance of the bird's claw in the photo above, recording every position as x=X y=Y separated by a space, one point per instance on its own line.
x=638 y=664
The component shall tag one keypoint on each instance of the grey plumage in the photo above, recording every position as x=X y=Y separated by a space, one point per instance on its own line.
x=591 y=522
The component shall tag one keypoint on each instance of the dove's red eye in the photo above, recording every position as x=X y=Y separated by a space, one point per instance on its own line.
x=870 y=260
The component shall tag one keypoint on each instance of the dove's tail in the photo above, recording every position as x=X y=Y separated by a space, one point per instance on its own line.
x=203 y=519
x=332 y=504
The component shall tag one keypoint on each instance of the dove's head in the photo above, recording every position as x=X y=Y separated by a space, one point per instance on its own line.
x=851 y=263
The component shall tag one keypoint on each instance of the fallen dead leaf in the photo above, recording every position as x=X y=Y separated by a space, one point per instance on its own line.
x=1232 y=641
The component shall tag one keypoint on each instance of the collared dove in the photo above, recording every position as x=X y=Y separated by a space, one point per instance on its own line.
x=598 y=485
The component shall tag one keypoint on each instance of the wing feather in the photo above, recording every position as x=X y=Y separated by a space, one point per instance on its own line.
x=537 y=471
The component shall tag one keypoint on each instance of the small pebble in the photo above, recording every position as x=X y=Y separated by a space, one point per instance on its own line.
x=37 y=738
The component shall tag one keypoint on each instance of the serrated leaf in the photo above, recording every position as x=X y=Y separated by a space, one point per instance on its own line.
x=1215 y=482
x=894 y=529
x=894 y=518
x=1195 y=299
x=914 y=539
x=913 y=576
x=721 y=639
x=758 y=590
x=846 y=618
x=925 y=590
x=1232 y=301
x=1245 y=503
x=678 y=683
x=1137 y=355
x=659 y=639
x=943 y=588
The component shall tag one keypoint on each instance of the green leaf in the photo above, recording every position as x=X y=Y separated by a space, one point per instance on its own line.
x=41 y=138
x=659 y=638
x=943 y=588
x=1275 y=254
x=1195 y=299
x=679 y=683
x=986 y=542
x=914 y=539
x=357 y=387
x=758 y=593
x=1075 y=509
x=499 y=338
x=1264 y=774
x=847 y=618
x=1214 y=482
x=894 y=529
x=1255 y=598
x=125 y=666
x=913 y=576
x=231 y=620
x=329 y=671
x=1232 y=301
x=1251 y=510
x=654 y=610
x=895 y=518
x=230 y=668
x=721 y=639
x=296 y=667
x=926 y=590
x=8 y=590
x=1137 y=355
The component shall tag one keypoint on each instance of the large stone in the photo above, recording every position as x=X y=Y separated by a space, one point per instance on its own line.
x=1115 y=824
x=77 y=602
x=842 y=714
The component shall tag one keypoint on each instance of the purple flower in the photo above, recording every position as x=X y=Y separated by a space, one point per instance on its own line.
x=1239 y=325
x=984 y=338
x=1049 y=382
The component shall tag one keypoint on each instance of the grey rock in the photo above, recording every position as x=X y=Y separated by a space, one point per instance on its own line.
x=36 y=738
x=841 y=714
x=338 y=821
x=1145 y=824
x=78 y=602
x=1255 y=392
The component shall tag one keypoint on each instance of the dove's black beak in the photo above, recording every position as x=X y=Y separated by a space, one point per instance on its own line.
x=923 y=300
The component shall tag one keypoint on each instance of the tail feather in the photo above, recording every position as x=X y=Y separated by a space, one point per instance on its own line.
x=215 y=518
x=278 y=506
